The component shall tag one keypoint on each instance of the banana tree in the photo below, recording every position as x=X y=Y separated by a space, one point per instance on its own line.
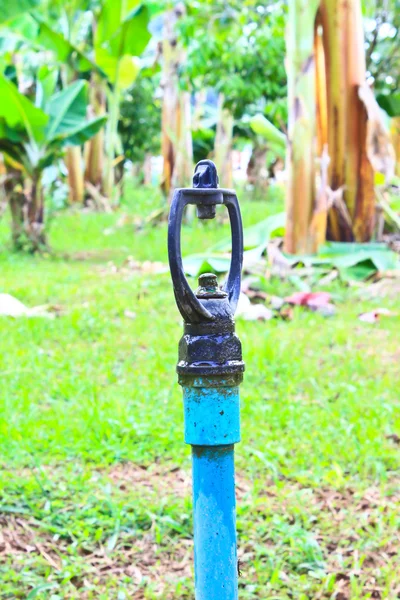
x=335 y=131
x=121 y=35
x=67 y=59
x=32 y=137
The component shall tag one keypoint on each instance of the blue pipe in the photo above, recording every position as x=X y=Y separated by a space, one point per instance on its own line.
x=212 y=428
x=215 y=556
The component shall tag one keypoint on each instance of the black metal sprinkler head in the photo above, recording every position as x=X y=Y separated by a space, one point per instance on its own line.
x=209 y=345
x=205 y=177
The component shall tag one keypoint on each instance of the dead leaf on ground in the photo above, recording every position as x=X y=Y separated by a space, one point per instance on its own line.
x=373 y=316
x=318 y=301
x=130 y=314
x=379 y=148
x=11 y=307
x=304 y=298
x=253 y=312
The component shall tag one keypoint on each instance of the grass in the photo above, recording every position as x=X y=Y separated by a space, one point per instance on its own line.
x=95 y=489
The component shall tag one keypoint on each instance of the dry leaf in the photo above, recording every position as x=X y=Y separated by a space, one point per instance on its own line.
x=312 y=299
x=252 y=312
x=373 y=316
x=130 y=314
x=11 y=307
x=379 y=148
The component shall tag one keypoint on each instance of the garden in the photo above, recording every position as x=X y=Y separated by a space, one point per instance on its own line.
x=106 y=106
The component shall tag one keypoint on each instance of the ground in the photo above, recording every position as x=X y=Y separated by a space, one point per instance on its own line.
x=95 y=476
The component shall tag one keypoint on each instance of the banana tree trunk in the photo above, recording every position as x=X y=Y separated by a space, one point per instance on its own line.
x=13 y=189
x=332 y=110
x=223 y=144
x=34 y=220
x=27 y=211
x=95 y=146
x=301 y=193
x=395 y=133
x=147 y=169
x=257 y=173
x=183 y=168
x=111 y=135
x=73 y=161
x=350 y=170
x=176 y=136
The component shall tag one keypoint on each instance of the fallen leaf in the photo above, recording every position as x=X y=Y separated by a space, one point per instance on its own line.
x=253 y=312
x=276 y=302
x=327 y=310
x=258 y=312
x=130 y=314
x=11 y=307
x=311 y=299
x=373 y=316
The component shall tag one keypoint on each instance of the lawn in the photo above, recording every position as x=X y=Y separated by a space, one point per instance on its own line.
x=95 y=476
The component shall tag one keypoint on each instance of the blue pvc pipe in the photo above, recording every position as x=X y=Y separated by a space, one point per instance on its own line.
x=212 y=414
x=212 y=427
x=215 y=555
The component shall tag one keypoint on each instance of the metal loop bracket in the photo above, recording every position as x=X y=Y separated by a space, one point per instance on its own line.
x=190 y=307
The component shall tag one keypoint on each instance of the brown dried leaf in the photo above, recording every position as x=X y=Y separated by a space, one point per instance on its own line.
x=380 y=151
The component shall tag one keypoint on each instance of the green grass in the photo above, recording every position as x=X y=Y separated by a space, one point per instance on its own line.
x=93 y=500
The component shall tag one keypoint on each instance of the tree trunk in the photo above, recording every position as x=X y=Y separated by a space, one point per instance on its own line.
x=111 y=142
x=17 y=202
x=395 y=133
x=331 y=109
x=95 y=146
x=183 y=168
x=349 y=169
x=13 y=188
x=301 y=193
x=73 y=161
x=257 y=172
x=223 y=144
x=147 y=174
x=27 y=211
x=176 y=137
x=34 y=216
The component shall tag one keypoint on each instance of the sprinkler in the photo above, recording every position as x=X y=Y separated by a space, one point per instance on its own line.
x=210 y=369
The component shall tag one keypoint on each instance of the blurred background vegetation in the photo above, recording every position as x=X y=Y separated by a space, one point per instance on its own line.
x=94 y=92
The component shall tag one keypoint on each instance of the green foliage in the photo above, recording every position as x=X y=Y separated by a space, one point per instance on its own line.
x=34 y=137
x=64 y=51
x=12 y=8
x=19 y=118
x=121 y=35
x=276 y=139
x=139 y=124
x=238 y=49
x=390 y=103
x=382 y=27
x=67 y=116
x=203 y=143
